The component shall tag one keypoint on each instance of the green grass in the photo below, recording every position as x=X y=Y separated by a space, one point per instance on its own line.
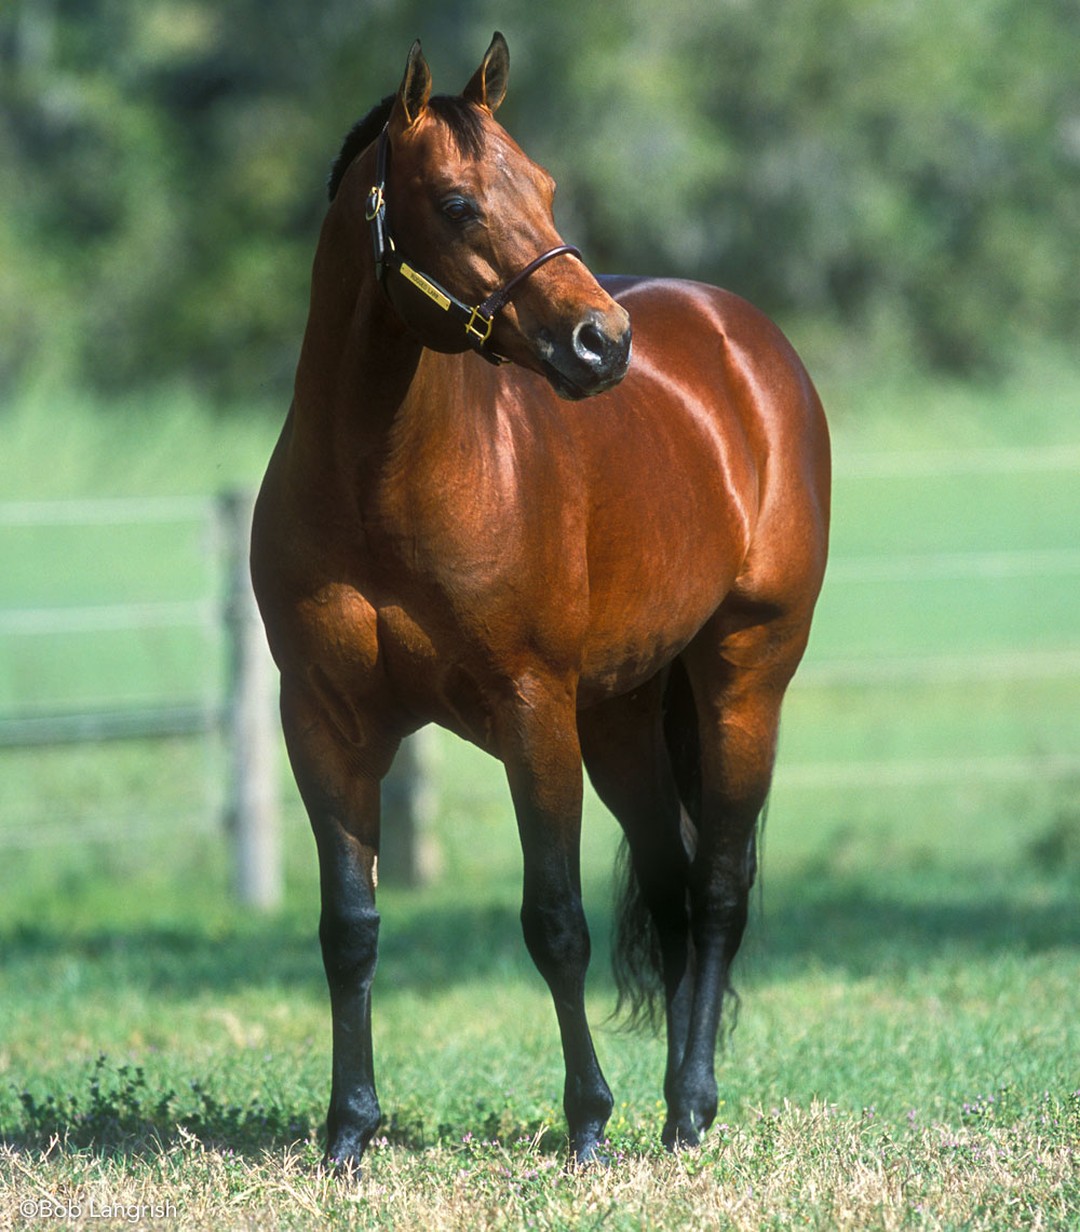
x=905 y=1057
x=907 y=1047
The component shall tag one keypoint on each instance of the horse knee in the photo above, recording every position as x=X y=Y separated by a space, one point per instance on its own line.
x=350 y=944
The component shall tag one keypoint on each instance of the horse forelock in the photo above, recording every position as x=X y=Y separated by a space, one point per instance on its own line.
x=464 y=120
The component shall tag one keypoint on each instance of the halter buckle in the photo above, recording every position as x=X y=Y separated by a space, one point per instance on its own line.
x=471 y=327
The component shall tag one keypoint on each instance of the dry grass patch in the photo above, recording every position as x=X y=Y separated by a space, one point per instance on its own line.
x=809 y=1167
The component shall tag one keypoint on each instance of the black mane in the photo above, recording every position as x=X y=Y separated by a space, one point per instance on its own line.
x=360 y=136
x=462 y=118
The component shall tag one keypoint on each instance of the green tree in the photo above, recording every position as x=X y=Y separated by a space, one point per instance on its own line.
x=905 y=173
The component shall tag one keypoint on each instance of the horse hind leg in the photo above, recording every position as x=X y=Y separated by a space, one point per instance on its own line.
x=625 y=750
x=738 y=675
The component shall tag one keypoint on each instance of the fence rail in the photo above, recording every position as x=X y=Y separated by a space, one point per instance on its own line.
x=91 y=726
x=106 y=511
x=929 y=771
x=928 y=463
x=951 y=566
x=243 y=713
x=1006 y=665
x=48 y=621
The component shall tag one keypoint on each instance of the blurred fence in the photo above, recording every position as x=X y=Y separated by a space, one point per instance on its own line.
x=955 y=578
x=133 y=621
x=228 y=680
x=954 y=585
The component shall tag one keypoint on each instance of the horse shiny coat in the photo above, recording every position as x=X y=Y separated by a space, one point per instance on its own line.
x=580 y=552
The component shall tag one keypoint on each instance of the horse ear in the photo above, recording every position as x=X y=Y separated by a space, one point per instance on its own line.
x=415 y=90
x=488 y=85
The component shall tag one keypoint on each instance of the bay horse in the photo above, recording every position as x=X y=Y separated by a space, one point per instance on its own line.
x=483 y=513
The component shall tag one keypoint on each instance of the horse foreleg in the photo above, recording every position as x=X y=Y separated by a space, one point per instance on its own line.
x=543 y=762
x=349 y=936
x=343 y=807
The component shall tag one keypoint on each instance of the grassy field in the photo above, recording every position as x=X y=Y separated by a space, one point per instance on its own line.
x=908 y=1045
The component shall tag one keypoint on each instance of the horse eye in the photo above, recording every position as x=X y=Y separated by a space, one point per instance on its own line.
x=457 y=209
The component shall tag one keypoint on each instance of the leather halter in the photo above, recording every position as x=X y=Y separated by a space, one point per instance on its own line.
x=444 y=322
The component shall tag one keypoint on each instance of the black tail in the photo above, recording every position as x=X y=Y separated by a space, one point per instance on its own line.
x=636 y=955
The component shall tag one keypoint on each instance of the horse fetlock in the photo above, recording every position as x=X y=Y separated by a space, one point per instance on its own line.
x=349 y=1129
x=691 y=1110
x=685 y=1129
x=588 y=1107
x=587 y=1129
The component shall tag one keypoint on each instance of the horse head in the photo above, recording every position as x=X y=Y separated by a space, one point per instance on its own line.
x=466 y=242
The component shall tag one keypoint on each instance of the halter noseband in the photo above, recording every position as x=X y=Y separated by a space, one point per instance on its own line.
x=444 y=322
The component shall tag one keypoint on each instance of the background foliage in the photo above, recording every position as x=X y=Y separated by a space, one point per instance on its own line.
x=906 y=172
x=898 y=182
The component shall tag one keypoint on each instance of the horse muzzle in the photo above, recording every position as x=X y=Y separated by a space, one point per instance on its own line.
x=595 y=357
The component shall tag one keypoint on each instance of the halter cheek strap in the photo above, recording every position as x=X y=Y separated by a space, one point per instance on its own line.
x=444 y=322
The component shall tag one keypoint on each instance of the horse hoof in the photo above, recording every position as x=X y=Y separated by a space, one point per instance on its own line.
x=588 y=1161
x=588 y=1155
x=680 y=1137
x=343 y=1160
x=341 y=1168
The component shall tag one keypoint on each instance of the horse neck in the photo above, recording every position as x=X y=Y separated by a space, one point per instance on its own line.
x=357 y=360
x=366 y=388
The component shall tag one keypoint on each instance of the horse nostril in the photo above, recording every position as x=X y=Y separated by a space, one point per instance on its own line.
x=589 y=343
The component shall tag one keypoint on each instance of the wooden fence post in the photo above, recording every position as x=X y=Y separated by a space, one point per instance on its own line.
x=254 y=813
x=408 y=852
